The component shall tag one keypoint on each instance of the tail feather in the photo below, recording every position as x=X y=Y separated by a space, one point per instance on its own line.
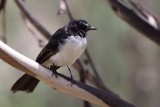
x=26 y=83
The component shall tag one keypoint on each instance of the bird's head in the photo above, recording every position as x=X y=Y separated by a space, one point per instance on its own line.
x=80 y=25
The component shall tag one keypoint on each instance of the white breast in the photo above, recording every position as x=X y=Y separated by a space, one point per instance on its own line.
x=70 y=52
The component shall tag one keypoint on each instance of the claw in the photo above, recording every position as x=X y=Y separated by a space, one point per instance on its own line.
x=54 y=72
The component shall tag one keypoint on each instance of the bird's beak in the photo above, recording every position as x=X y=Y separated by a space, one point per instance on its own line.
x=92 y=28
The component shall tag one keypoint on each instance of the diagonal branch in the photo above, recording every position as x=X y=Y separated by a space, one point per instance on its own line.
x=68 y=10
x=61 y=83
x=32 y=20
x=138 y=17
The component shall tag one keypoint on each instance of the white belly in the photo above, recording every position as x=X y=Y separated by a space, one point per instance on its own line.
x=69 y=52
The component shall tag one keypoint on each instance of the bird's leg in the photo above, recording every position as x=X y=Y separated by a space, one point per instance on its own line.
x=54 y=70
x=71 y=76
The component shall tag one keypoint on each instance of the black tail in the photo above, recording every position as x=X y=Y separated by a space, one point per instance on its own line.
x=26 y=83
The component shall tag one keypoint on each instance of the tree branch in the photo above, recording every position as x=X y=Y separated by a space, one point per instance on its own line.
x=61 y=83
x=68 y=10
x=3 y=11
x=138 y=17
x=28 y=17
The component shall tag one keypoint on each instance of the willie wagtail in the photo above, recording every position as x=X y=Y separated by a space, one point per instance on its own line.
x=65 y=46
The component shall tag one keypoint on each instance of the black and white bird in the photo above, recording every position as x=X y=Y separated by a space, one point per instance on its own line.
x=65 y=46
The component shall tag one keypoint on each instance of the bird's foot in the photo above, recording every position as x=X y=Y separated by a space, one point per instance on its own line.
x=54 y=72
x=71 y=77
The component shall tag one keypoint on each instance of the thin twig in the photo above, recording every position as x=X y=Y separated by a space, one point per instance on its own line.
x=37 y=25
x=81 y=71
x=3 y=11
x=2 y=4
x=4 y=29
x=87 y=104
x=93 y=66
x=68 y=10
x=83 y=80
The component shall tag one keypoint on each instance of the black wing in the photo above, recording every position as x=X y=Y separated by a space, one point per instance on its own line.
x=46 y=53
x=52 y=47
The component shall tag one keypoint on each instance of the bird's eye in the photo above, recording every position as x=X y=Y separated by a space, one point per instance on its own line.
x=82 y=25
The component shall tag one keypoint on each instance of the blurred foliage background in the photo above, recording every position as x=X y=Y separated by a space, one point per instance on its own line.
x=127 y=61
